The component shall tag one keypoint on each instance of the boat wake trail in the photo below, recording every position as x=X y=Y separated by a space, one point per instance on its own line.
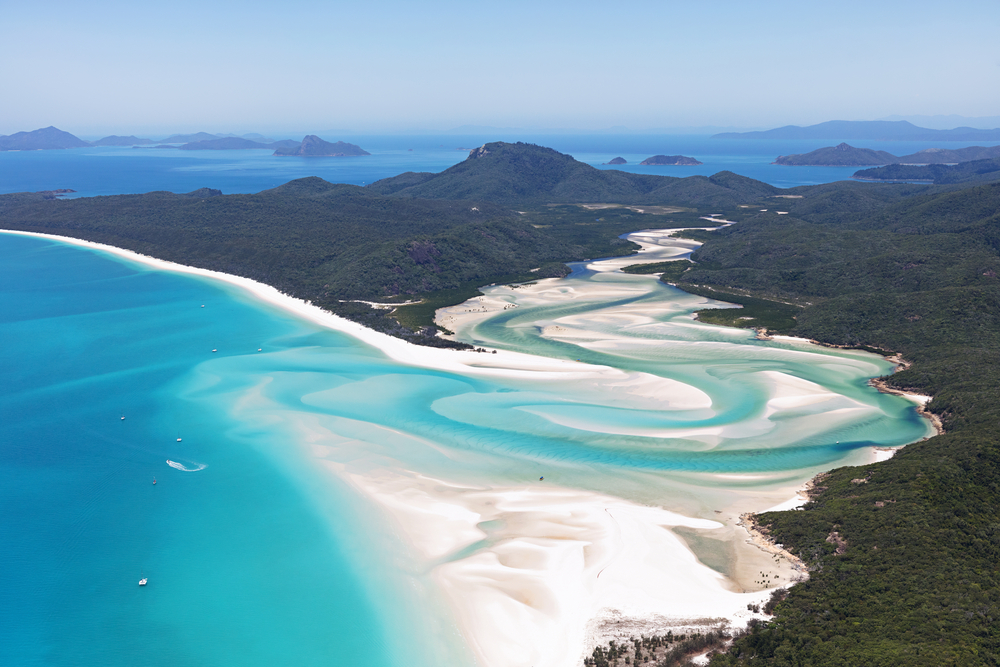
x=182 y=467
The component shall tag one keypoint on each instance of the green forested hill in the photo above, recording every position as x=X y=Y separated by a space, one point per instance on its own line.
x=521 y=175
x=951 y=155
x=916 y=273
x=310 y=238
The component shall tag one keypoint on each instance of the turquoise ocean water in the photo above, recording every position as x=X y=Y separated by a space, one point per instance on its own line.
x=255 y=553
x=247 y=563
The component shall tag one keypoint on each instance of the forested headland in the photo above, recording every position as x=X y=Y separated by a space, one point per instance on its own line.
x=972 y=171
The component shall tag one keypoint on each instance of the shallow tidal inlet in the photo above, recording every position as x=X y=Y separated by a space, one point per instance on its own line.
x=319 y=500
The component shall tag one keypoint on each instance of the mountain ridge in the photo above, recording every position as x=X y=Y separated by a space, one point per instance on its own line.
x=869 y=130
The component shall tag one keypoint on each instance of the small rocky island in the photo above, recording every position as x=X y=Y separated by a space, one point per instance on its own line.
x=314 y=146
x=670 y=160
x=618 y=160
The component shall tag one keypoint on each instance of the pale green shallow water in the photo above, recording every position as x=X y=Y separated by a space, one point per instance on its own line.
x=262 y=556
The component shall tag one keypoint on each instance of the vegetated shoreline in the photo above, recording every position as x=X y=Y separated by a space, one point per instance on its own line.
x=880 y=383
x=499 y=364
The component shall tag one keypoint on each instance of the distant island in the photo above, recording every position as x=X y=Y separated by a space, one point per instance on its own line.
x=47 y=138
x=845 y=155
x=315 y=147
x=867 y=130
x=841 y=155
x=669 y=160
x=115 y=140
x=188 y=138
x=618 y=160
x=235 y=143
x=52 y=138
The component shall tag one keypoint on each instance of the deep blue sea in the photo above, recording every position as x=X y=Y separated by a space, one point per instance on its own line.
x=111 y=170
x=257 y=549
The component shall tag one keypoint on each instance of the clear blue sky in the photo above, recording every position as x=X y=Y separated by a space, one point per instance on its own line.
x=123 y=67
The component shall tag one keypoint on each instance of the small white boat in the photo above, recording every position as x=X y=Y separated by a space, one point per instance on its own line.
x=142 y=582
x=214 y=350
x=123 y=417
x=178 y=439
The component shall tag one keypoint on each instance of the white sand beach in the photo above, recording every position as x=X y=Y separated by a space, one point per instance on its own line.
x=557 y=570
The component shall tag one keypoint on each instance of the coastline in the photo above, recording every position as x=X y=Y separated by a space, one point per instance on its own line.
x=575 y=567
x=524 y=575
x=920 y=399
x=879 y=383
